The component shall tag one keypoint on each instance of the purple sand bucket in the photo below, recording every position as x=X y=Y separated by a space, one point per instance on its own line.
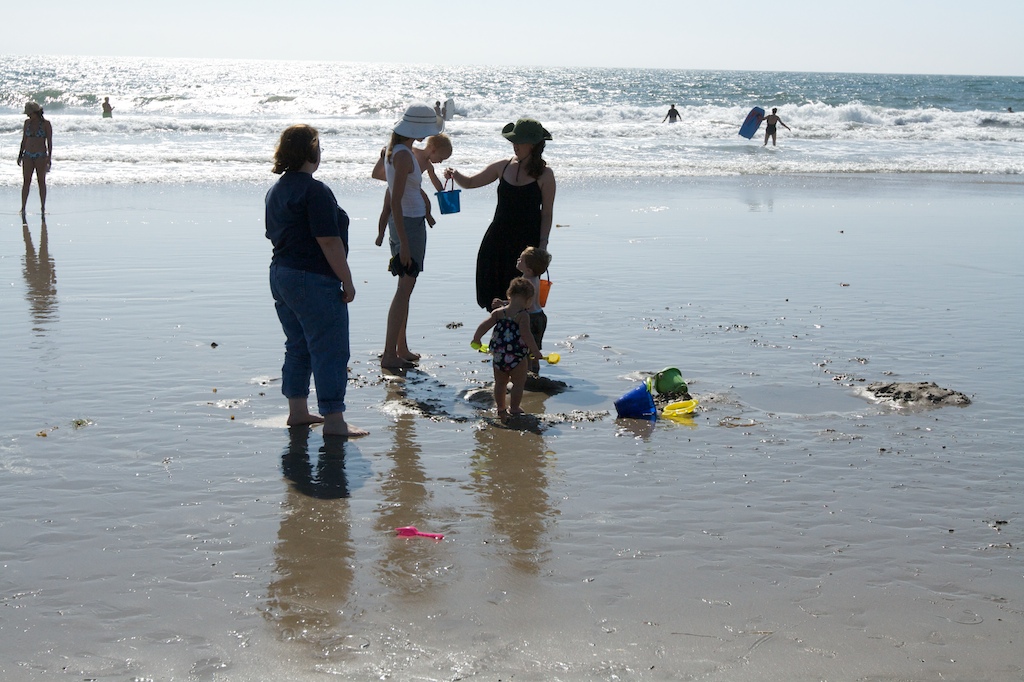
x=637 y=404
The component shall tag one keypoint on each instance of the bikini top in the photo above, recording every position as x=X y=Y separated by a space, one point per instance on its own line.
x=40 y=131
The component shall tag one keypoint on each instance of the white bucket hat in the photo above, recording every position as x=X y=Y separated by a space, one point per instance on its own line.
x=419 y=120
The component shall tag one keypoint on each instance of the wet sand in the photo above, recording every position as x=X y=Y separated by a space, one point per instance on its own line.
x=160 y=522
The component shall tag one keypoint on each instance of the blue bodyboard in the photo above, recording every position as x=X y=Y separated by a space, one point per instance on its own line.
x=752 y=123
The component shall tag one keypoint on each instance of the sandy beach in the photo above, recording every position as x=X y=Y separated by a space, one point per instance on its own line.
x=160 y=522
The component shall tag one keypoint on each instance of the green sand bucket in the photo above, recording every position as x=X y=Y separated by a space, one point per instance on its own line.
x=637 y=404
x=669 y=380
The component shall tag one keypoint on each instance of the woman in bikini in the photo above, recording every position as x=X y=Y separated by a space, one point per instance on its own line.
x=36 y=152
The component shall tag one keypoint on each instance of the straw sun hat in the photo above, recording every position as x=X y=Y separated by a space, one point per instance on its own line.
x=419 y=121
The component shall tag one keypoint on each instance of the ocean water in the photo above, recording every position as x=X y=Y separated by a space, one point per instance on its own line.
x=178 y=120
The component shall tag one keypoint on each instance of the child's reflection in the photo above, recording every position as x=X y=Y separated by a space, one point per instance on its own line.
x=509 y=471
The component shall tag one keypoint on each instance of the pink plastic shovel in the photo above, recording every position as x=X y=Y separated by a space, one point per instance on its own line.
x=412 y=532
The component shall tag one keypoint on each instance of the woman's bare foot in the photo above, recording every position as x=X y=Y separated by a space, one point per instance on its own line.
x=299 y=414
x=395 y=362
x=403 y=351
x=335 y=425
x=517 y=411
x=304 y=420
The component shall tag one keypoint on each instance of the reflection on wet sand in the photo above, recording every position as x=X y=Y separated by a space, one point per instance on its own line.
x=509 y=473
x=41 y=278
x=407 y=563
x=314 y=556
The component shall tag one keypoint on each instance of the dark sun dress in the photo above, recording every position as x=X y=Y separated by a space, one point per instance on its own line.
x=515 y=226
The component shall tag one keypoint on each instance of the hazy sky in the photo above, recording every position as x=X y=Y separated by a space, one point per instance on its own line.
x=892 y=36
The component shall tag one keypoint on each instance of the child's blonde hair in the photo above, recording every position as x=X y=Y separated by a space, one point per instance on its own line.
x=537 y=259
x=521 y=286
x=441 y=143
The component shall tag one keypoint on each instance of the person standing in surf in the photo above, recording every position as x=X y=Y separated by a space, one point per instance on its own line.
x=523 y=216
x=36 y=153
x=770 y=121
x=673 y=115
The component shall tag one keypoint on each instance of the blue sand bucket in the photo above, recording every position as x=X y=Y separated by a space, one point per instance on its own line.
x=448 y=200
x=637 y=404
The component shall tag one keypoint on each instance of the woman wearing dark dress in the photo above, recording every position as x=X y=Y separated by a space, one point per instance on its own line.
x=526 y=198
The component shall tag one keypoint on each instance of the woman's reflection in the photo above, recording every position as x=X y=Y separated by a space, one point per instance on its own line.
x=409 y=567
x=40 y=278
x=315 y=554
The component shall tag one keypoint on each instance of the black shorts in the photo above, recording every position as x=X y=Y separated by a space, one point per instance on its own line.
x=398 y=270
x=538 y=325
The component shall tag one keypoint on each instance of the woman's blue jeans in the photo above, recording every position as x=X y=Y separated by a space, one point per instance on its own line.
x=314 y=317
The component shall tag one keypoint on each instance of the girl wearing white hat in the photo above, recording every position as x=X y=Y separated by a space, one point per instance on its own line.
x=407 y=227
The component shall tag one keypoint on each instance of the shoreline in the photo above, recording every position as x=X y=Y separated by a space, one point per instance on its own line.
x=360 y=185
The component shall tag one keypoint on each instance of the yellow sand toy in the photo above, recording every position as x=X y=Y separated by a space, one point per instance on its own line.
x=681 y=408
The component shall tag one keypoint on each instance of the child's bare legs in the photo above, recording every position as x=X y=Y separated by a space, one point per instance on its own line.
x=518 y=376
x=501 y=380
x=396 y=347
